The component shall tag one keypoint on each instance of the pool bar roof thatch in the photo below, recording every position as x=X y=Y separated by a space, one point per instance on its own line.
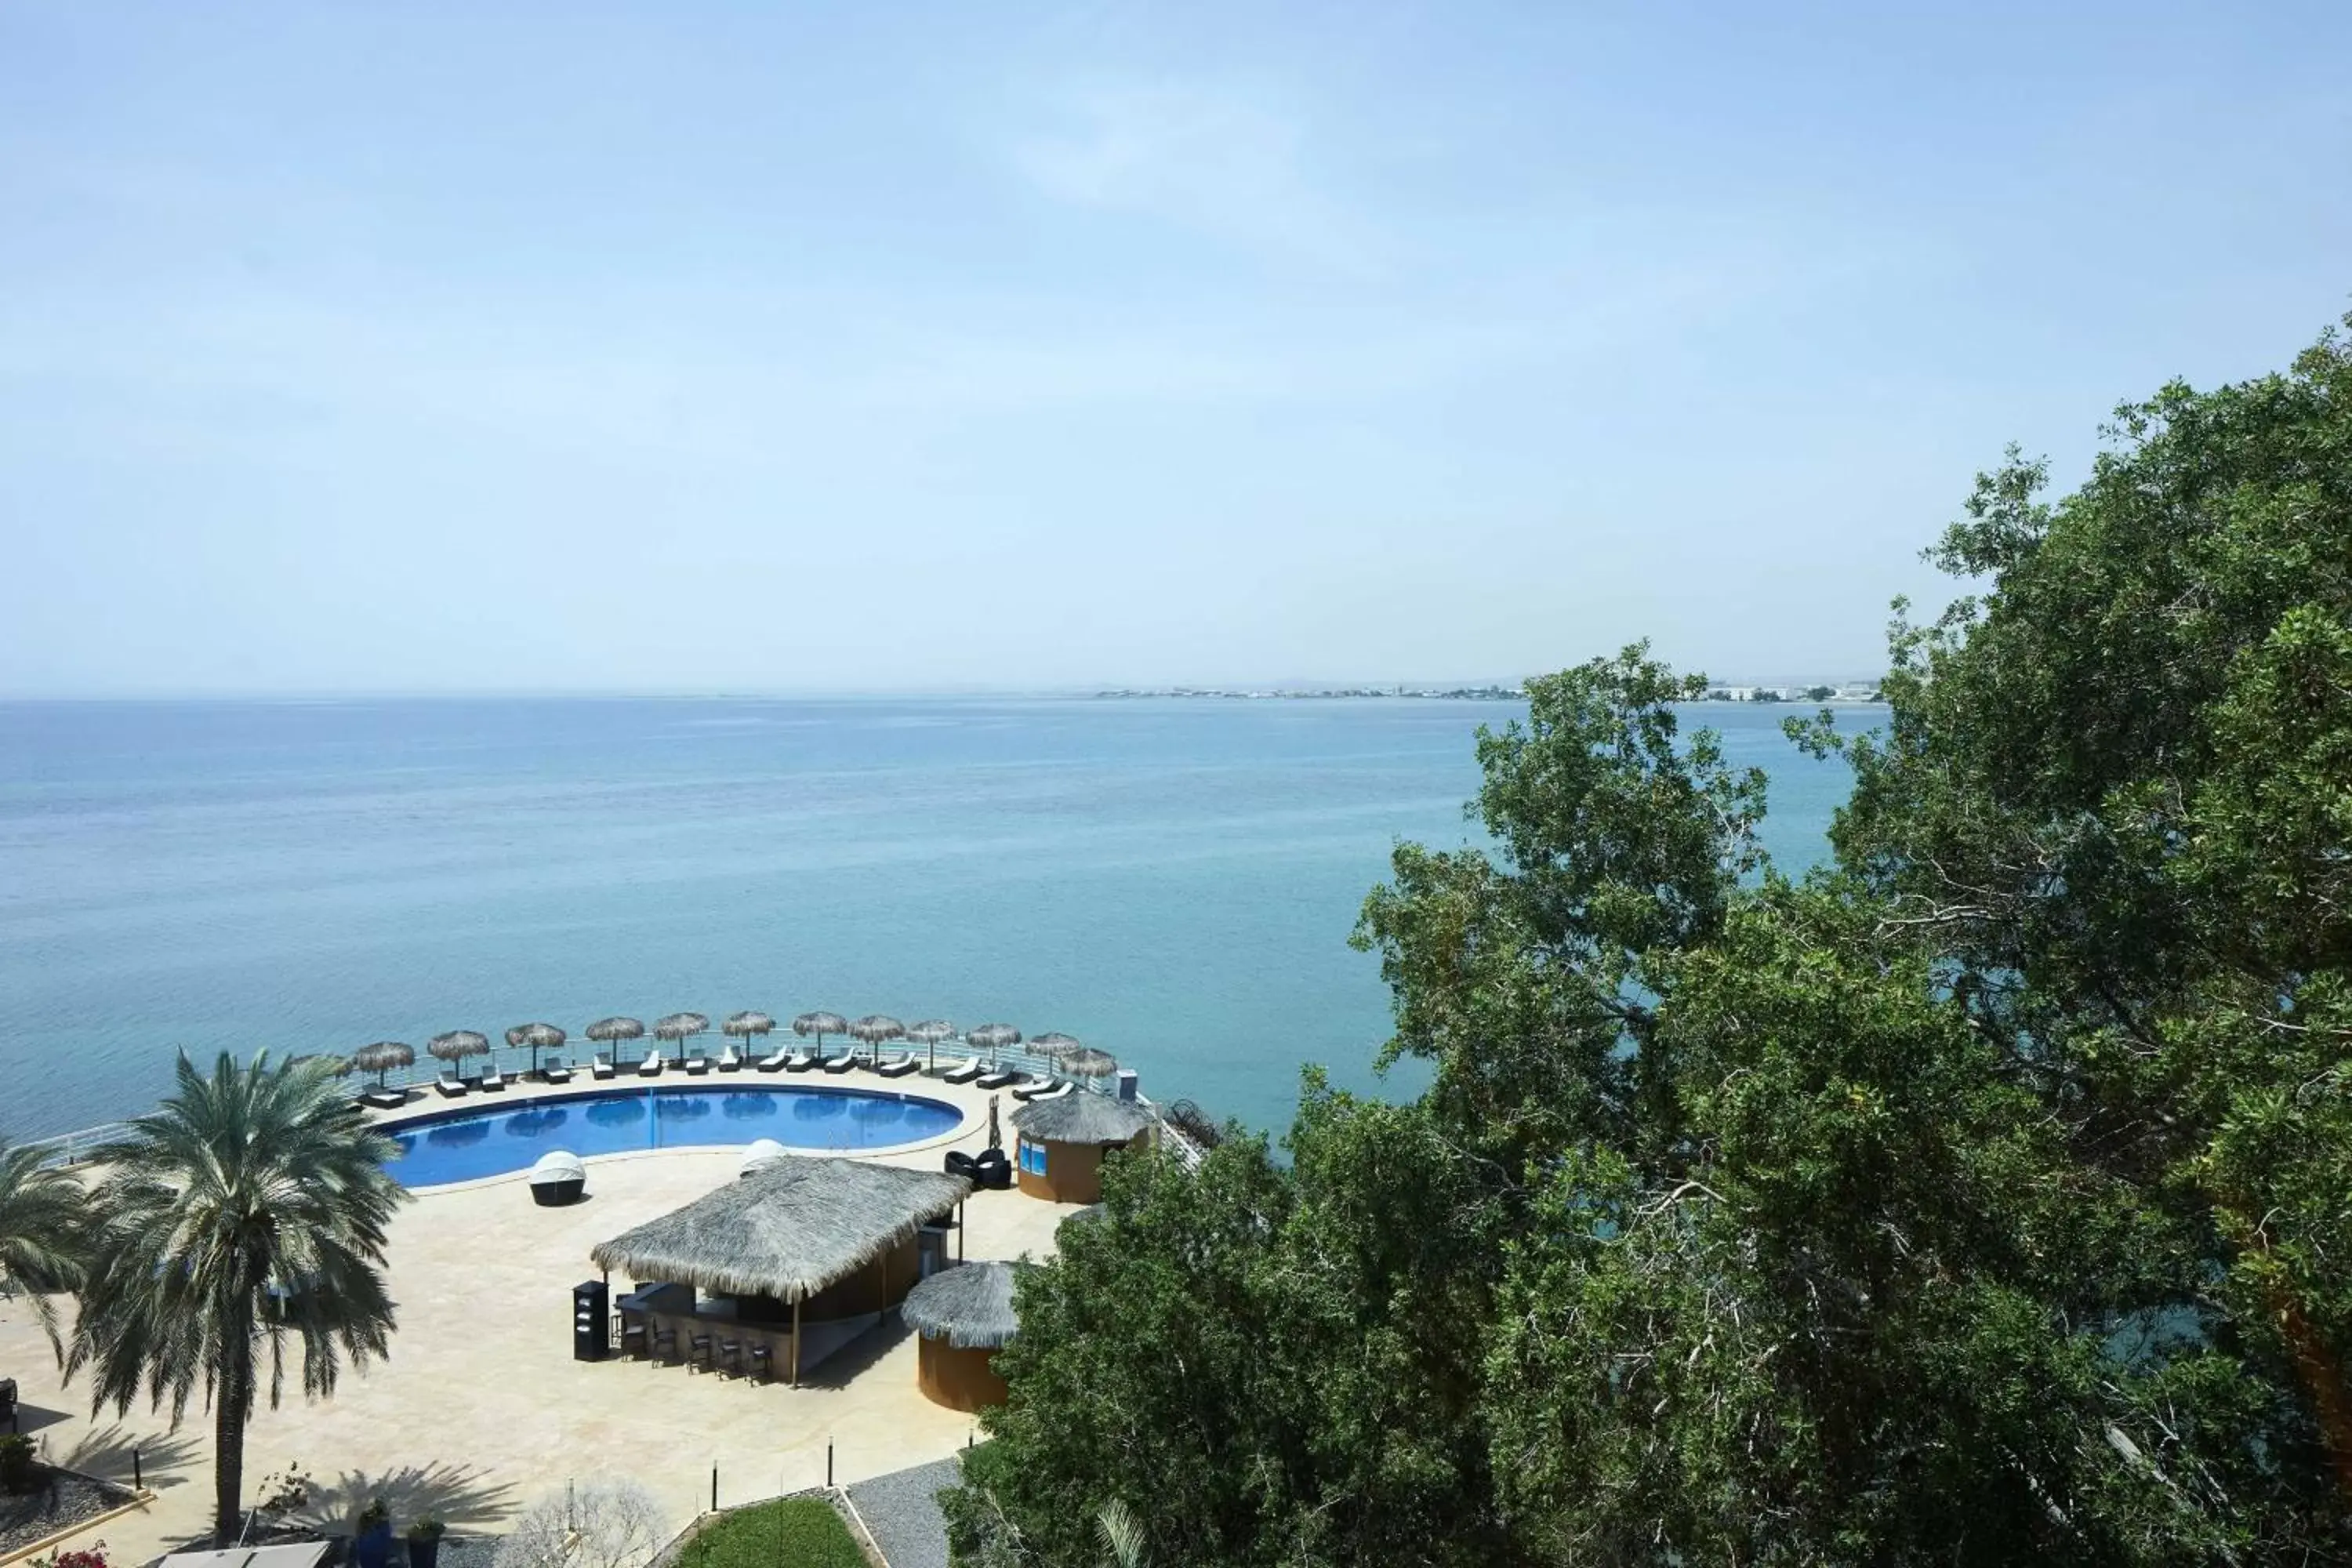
x=970 y=1307
x=785 y=1230
x=1082 y=1119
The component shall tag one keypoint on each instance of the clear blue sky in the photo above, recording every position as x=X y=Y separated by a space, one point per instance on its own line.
x=691 y=346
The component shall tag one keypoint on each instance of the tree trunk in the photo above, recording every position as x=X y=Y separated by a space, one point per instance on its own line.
x=228 y=1445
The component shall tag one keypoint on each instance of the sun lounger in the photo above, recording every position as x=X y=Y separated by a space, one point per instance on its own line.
x=999 y=1077
x=969 y=1070
x=1035 y=1089
x=729 y=1060
x=1059 y=1089
x=697 y=1064
x=377 y=1098
x=777 y=1062
x=491 y=1078
x=801 y=1060
x=602 y=1067
x=841 y=1064
x=556 y=1072
x=896 y=1065
x=652 y=1066
x=450 y=1085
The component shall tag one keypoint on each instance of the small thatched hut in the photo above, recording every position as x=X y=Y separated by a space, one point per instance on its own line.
x=819 y=1247
x=963 y=1317
x=1064 y=1140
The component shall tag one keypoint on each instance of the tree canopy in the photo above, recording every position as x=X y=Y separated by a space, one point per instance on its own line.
x=1983 y=1196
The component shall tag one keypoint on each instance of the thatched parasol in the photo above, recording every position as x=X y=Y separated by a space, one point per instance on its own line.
x=786 y=1230
x=746 y=1026
x=931 y=1032
x=970 y=1307
x=1081 y=1118
x=820 y=1024
x=876 y=1027
x=1054 y=1045
x=538 y=1037
x=605 y=1031
x=1089 y=1062
x=383 y=1056
x=680 y=1026
x=992 y=1038
x=457 y=1045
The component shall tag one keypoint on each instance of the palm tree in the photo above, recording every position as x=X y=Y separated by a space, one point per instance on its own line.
x=244 y=1217
x=41 y=1221
x=1122 y=1536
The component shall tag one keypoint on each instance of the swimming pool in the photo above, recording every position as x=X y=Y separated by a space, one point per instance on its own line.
x=466 y=1145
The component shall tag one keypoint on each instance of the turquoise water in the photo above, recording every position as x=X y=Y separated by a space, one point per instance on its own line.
x=1173 y=881
x=463 y=1145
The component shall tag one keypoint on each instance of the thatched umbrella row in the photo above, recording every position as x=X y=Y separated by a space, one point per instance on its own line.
x=873 y=1029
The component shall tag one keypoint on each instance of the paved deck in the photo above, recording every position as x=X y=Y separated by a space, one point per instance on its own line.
x=481 y=1410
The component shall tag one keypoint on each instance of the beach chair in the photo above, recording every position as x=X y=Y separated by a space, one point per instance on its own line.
x=652 y=1066
x=777 y=1062
x=997 y=1078
x=965 y=1072
x=697 y=1064
x=898 y=1065
x=492 y=1079
x=801 y=1060
x=450 y=1085
x=1035 y=1089
x=602 y=1067
x=729 y=1060
x=555 y=1071
x=840 y=1064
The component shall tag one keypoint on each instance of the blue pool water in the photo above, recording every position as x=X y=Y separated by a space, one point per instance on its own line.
x=464 y=1145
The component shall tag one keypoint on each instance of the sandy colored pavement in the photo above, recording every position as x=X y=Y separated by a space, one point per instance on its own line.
x=480 y=1409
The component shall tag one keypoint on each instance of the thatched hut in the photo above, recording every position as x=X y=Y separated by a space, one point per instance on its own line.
x=1063 y=1142
x=962 y=1317
x=802 y=1255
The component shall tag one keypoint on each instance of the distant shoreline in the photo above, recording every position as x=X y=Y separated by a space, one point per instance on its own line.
x=1783 y=697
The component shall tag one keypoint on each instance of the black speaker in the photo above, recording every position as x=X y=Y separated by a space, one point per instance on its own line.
x=591 y=1336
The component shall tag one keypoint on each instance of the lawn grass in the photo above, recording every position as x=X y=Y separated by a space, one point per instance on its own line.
x=791 y=1532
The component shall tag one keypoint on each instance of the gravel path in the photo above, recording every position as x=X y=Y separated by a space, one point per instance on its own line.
x=901 y=1510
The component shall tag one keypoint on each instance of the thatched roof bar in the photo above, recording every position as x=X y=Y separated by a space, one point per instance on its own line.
x=1082 y=1118
x=969 y=1306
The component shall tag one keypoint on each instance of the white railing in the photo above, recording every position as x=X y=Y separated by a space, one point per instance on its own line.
x=73 y=1148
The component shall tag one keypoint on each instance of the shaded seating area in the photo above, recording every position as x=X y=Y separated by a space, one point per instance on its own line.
x=774 y=1272
x=558 y=1178
x=962 y=1317
x=1063 y=1139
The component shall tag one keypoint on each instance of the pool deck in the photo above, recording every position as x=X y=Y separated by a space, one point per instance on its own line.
x=480 y=1410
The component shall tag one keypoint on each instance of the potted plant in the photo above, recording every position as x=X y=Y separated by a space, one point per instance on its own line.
x=425 y=1541
x=15 y=1463
x=371 y=1547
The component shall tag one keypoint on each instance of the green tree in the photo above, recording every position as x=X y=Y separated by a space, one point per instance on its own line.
x=1980 y=1198
x=41 y=1219
x=241 y=1221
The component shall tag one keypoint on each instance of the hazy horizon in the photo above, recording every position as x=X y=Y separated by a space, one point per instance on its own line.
x=437 y=350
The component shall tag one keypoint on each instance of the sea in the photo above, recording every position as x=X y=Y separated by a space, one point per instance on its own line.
x=1171 y=879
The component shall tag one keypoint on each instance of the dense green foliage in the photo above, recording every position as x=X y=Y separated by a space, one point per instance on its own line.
x=1983 y=1197
x=791 y=1532
x=243 y=1219
x=41 y=1237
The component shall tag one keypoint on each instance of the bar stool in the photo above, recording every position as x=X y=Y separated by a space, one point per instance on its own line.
x=633 y=1340
x=731 y=1354
x=763 y=1358
x=698 y=1345
x=664 y=1345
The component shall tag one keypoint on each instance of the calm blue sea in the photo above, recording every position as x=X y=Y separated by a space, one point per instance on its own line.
x=1173 y=881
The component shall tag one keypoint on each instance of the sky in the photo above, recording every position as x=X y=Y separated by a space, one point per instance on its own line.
x=698 y=347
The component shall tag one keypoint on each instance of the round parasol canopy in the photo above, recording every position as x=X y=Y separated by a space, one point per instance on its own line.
x=457 y=1045
x=383 y=1056
x=538 y=1037
x=605 y=1031
x=820 y=1024
x=931 y=1032
x=679 y=1027
x=1055 y=1044
x=745 y=1025
x=876 y=1027
x=991 y=1037
x=1089 y=1062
